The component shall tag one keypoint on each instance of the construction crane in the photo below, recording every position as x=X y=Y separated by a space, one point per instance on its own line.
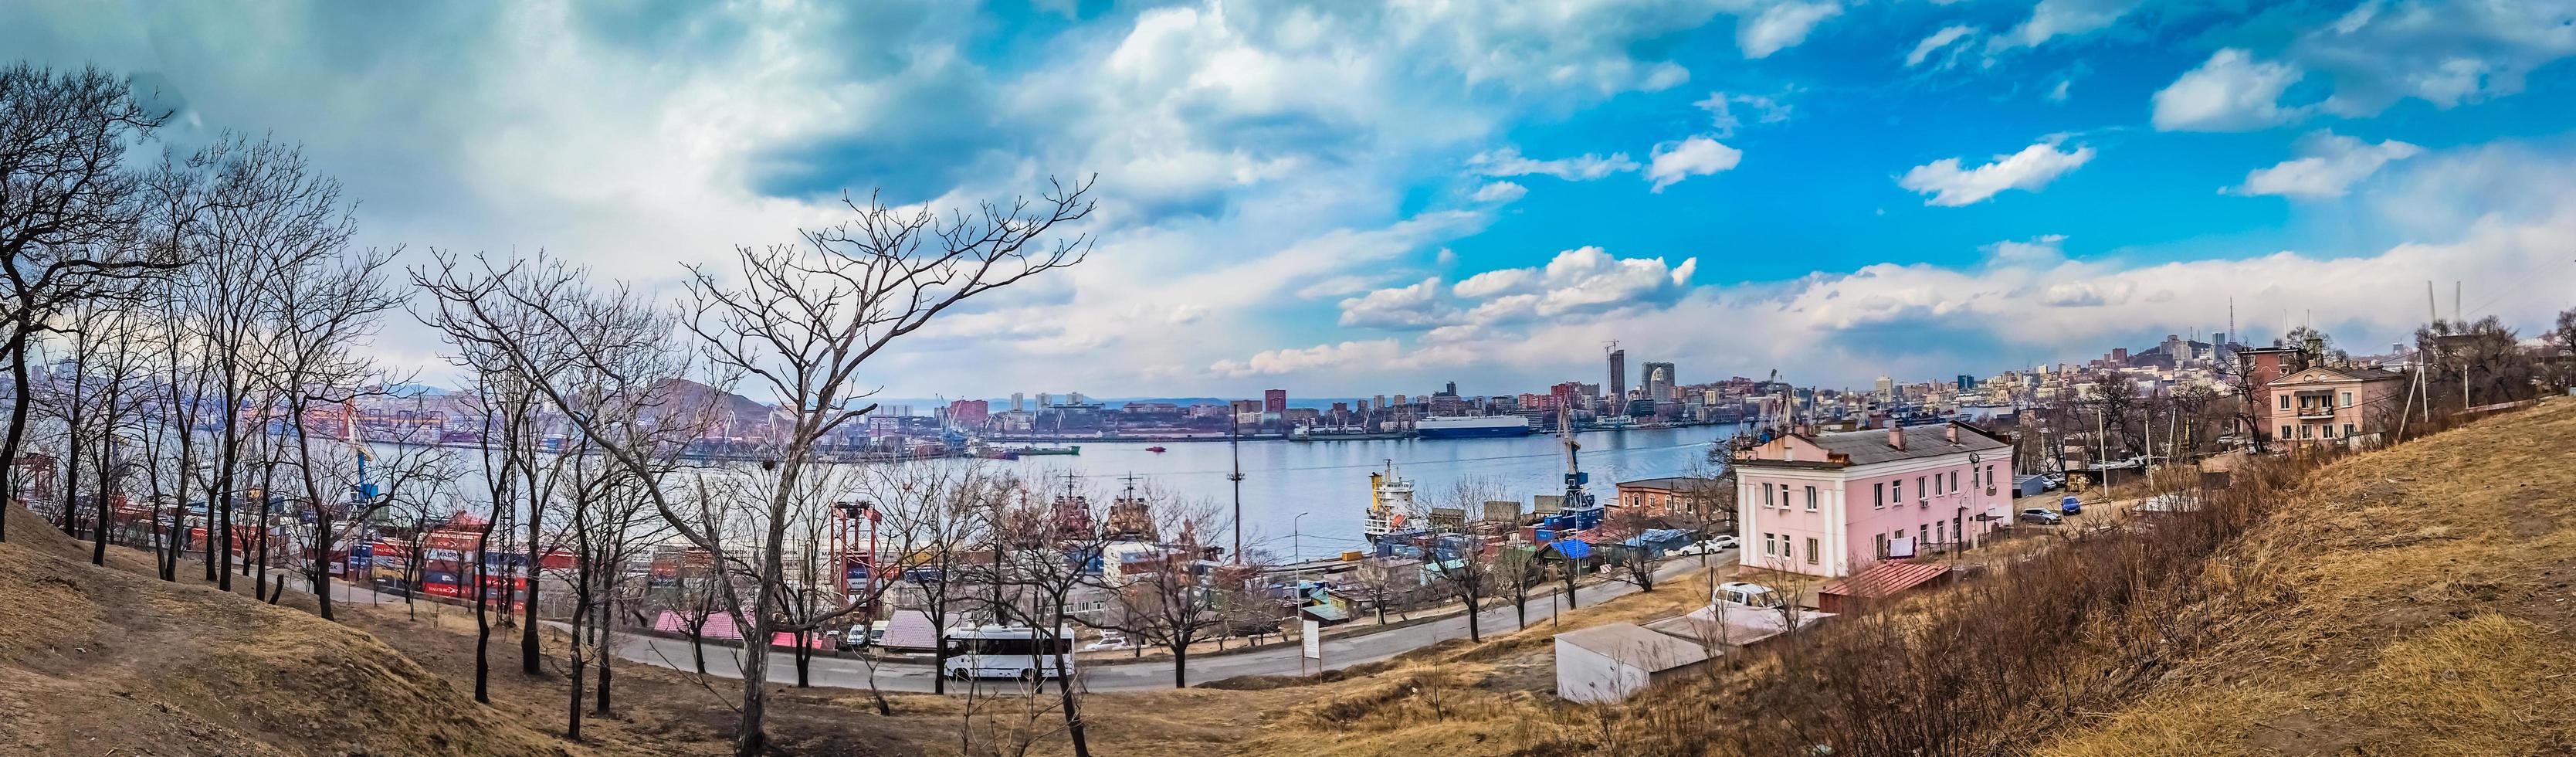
x=364 y=490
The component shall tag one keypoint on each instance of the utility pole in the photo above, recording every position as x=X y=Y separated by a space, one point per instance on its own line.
x=1234 y=447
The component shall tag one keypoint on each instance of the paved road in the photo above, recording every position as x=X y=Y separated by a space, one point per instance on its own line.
x=1339 y=652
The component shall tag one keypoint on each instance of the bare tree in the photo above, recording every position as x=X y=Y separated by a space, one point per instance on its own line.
x=800 y=323
x=72 y=214
x=1457 y=560
x=1162 y=594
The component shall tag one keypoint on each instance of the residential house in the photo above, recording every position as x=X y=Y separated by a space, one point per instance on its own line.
x=2327 y=404
x=1681 y=496
x=1834 y=504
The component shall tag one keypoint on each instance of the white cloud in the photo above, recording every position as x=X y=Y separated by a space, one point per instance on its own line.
x=1696 y=156
x=1577 y=281
x=2229 y=92
x=2331 y=163
x=1490 y=283
x=1370 y=355
x=1407 y=307
x=2444 y=53
x=1780 y=26
x=2038 y=252
x=1721 y=111
x=1500 y=191
x=2029 y=170
x=1941 y=39
x=1508 y=161
x=2059 y=93
x=2056 y=18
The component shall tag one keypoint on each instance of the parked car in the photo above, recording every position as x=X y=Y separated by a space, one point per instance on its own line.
x=2071 y=505
x=1741 y=595
x=2055 y=481
x=2042 y=516
x=1710 y=546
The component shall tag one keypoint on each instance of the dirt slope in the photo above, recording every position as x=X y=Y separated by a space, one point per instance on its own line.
x=2426 y=609
x=95 y=661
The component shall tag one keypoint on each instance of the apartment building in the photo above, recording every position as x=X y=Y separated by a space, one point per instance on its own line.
x=1834 y=504
x=2331 y=405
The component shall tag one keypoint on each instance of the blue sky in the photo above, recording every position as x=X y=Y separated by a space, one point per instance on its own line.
x=1357 y=198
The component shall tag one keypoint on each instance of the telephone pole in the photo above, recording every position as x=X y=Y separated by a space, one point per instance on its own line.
x=1234 y=447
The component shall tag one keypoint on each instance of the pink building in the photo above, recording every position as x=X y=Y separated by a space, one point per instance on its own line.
x=1835 y=504
x=2346 y=405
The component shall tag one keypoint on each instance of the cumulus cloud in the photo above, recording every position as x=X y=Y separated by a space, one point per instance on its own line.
x=1508 y=161
x=2029 y=170
x=1780 y=26
x=2329 y=165
x=2444 y=53
x=1939 y=40
x=1696 y=156
x=1577 y=281
x=1407 y=307
x=2232 y=91
x=1500 y=191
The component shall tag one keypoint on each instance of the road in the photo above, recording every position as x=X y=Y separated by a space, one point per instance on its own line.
x=1339 y=652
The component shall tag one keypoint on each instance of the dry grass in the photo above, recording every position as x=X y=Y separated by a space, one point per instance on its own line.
x=2429 y=612
x=97 y=661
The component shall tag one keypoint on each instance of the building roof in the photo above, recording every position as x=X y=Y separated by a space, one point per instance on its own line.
x=1633 y=645
x=2357 y=373
x=1668 y=483
x=1885 y=579
x=1868 y=446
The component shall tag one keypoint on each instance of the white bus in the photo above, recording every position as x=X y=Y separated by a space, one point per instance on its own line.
x=1006 y=652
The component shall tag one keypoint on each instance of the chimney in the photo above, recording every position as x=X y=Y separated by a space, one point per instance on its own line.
x=1951 y=431
x=1896 y=435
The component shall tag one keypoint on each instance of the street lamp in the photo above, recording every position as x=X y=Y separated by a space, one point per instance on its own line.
x=1296 y=540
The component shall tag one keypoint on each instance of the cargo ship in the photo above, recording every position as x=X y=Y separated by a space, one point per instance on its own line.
x=1472 y=427
x=1390 y=503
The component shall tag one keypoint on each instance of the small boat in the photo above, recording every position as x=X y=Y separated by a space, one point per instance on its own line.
x=1154 y=449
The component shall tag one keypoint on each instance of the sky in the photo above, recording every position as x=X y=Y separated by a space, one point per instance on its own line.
x=1358 y=198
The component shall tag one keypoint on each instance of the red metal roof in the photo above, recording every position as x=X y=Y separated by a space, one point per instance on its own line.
x=1885 y=579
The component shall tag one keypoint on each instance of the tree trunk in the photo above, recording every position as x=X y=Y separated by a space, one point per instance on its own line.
x=698 y=643
x=9 y=442
x=1181 y=664
x=1064 y=689
x=603 y=648
x=106 y=483
x=528 y=648
x=748 y=738
x=1475 y=635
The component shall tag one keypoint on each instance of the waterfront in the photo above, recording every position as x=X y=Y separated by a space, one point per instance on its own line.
x=1329 y=480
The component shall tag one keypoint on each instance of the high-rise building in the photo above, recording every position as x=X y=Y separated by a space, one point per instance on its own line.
x=1451 y=390
x=969 y=413
x=1886 y=389
x=1618 y=386
x=1015 y=402
x=1045 y=399
x=1659 y=382
x=1077 y=398
x=1967 y=382
x=1274 y=400
x=1381 y=402
x=1399 y=401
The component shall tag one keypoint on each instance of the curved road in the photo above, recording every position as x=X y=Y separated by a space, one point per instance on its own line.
x=1338 y=652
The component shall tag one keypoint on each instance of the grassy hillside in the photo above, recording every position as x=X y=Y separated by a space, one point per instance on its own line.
x=97 y=661
x=2426 y=609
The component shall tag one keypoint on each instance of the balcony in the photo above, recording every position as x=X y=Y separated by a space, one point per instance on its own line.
x=2316 y=412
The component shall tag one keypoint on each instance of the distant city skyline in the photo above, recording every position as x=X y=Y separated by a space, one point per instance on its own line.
x=1387 y=195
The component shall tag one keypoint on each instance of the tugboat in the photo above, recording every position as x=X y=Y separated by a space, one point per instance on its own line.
x=1390 y=502
x=1155 y=448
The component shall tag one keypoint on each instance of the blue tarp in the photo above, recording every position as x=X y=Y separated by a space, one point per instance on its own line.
x=1573 y=548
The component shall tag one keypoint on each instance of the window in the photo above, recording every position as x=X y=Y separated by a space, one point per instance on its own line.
x=1881 y=540
x=1954 y=481
x=1922 y=535
x=1811 y=550
x=1784 y=499
x=2347 y=399
x=1990 y=476
x=2347 y=429
x=2285 y=402
x=1936 y=483
x=2285 y=432
x=1811 y=499
x=1770 y=545
x=2306 y=431
x=2327 y=431
x=1919 y=490
x=1900 y=493
x=1878 y=495
x=1766 y=497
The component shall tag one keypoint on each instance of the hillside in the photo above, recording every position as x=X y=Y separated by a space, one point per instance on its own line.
x=97 y=661
x=2427 y=609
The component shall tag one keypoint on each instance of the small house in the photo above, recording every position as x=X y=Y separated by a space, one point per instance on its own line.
x=1607 y=663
